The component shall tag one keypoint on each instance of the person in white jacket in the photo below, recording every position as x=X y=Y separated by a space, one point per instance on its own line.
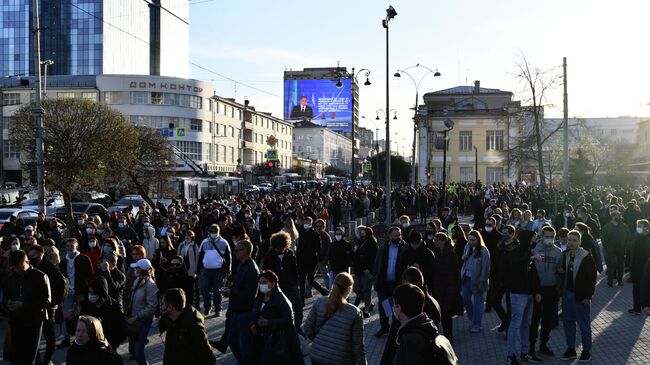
x=150 y=242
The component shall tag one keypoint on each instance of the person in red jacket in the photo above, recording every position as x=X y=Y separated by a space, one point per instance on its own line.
x=94 y=252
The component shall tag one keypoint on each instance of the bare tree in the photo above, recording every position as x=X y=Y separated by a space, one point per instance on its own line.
x=86 y=145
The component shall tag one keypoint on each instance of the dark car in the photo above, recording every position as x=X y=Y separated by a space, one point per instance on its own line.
x=83 y=208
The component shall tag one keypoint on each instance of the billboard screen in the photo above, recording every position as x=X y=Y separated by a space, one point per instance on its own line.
x=319 y=101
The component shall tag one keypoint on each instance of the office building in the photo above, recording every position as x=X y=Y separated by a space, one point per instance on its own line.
x=319 y=143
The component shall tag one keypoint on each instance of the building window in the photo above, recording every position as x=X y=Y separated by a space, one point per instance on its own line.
x=494 y=174
x=139 y=97
x=224 y=154
x=196 y=125
x=10 y=99
x=10 y=150
x=467 y=174
x=191 y=149
x=216 y=152
x=65 y=95
x=232 y=154
x=465 y=141
x=436 y=174
x=494 y=140
x=89 y=95
x=112 y=97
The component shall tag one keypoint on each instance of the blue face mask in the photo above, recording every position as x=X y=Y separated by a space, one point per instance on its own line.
x=107 y=250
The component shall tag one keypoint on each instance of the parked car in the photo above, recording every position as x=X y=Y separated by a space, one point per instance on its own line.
x=286 y=188
x=125 y=201
x=92 y=197
x=52 y=204
x=251 y=189
x=265 y=187
x=19 y=213
x=83 y=208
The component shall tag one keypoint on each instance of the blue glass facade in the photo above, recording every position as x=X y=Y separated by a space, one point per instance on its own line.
x=86 y=28
x=15 y=46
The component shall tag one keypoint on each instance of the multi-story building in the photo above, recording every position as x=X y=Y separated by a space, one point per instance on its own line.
x=207 y=129
x=365 y=143
x=640 y=165
x=619 y=129
x=478 y=143
x=319 y=143
x=92 y=37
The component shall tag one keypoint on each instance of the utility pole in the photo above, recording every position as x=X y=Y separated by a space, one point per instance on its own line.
x=565 y=178
x=38 y=109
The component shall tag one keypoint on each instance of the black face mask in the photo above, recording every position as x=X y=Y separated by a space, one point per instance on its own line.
x=35 y=262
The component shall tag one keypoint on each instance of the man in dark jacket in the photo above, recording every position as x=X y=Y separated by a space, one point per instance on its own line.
x=58 y=291
x=340 y=255
x=115 y=279
x=645 y=289
x=578 y=273
x=363 y=260
x=307 y=254
x=108 y=310
x=417 y=332
x=27 y=299
x=186 y=341
x=615 y=236
x=388 y=270
x=418 y=255
x=639 y=255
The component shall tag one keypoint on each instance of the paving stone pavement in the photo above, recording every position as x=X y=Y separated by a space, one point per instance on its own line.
x=618 y=338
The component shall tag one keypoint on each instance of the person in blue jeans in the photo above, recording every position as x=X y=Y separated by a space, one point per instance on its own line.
x=578 y=273
x=474 y=275
x=520 y=277
x=214 y=265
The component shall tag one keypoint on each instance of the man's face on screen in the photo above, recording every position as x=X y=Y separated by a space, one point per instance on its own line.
x=303 y=101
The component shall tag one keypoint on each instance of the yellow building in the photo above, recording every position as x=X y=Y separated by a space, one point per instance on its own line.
x=640 y=166
x=483 y=127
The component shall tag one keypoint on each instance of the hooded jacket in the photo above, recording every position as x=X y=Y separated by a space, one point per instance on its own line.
x=109 y=311
x=519 y=273
x=413 y=346
x=547 y=269
x=150 y=242
x=584 y=273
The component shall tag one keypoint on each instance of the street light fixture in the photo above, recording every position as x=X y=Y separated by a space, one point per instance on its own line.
x=390 y=14
x=46 y=63
x=416 y=122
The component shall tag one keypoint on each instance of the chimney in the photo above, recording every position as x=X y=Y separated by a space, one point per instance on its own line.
x=477 y=87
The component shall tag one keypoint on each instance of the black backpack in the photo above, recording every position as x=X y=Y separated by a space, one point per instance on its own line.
x=441 y=349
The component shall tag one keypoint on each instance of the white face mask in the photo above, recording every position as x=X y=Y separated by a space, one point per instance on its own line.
x=430 y=236
x=264 y=288
x=90 y=231
x=80 y=222
x=120 y=225
x=93 y=298
x=214 y=236
x=488 y=228
x=338 y=237
x=15 y=247
x=548 y=242
x=100 y=230
x=307 y=226
x=639 y=230
x=92 y=244
x=147 y=224
x=405 y=225
x=567 y=214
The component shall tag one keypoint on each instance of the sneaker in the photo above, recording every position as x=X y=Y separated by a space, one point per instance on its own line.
x=569 y=354
x=634 y=312
x=531 y=357
x=512 y=360
x=544 y=350
x=585 y=356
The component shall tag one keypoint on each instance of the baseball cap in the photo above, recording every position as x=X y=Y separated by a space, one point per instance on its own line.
x=142 y=264
x=29 y=228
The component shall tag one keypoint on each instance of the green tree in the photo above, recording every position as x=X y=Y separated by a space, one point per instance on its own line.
x=581 y=169
x=86 y=145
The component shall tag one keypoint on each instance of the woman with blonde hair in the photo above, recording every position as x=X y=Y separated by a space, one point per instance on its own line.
x=90 y=346
x=336 y=327
x=290 y=228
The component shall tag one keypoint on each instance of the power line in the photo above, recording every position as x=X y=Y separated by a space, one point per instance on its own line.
x=191 y=62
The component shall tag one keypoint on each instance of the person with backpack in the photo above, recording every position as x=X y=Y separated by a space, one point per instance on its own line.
x=418 y=341
x=59 y=290
x=214 y=264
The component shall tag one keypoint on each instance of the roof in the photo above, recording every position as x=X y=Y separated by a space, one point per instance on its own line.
x=462 y=90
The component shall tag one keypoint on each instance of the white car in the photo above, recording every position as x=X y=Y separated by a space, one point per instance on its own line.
x=26 y=214
x=125 y=201
x=52 y=204
x=251 y=189
x=265 y=187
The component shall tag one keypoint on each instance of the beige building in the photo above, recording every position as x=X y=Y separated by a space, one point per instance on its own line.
x=480 y=136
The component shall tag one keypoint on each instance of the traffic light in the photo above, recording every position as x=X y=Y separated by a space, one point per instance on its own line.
x=271 y=167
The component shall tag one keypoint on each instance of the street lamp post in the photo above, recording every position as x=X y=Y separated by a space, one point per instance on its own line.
x=449 y=125
x=45 y=64
x=399 y=73
x=390 y=14
x=38 y=109
x=353 y=78
x=475 y=167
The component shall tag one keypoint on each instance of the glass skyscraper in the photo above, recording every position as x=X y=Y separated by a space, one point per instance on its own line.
x=91 y=37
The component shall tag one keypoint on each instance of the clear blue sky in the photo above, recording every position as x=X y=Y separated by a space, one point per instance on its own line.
x=606 y=44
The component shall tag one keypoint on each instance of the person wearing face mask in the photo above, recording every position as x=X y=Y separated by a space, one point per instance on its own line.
x=26 y=297
x=140 y=309
x=186 y=341
x=189 y=251
x=615 y=236
x=125 y=232
x=308 y=255
x=93 y=251
x=109 y=311
x=639 y=255
x=336 y=327
x=150 y=242
x=578 y=284
x=77 y=268
x=475 y=274
x=320 y=226
x=214 y=263
x=566 y=218
x=429 y=236
x=545 y=310
x=405 y=224
x=363 y=260
x=419 y=256
x=57 y=292
x=340 y=255
x=275 y=339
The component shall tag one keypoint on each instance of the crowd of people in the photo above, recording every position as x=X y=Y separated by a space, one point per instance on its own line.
x=103 y=281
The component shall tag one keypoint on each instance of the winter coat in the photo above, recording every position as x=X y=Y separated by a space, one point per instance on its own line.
x=115 y=280
x=645 y=285
x=285 y=268
x=94 y=352
x=244 y=287
x=520 y=275
x=413 y=346
x=615 y=237
x=639 y=255
x=423 y=258
x=32 y=288
x=309 y=249
x=279 y=335
x=337 y=340
x=340 y=256
x=480 y=270
x=109 y=311
x=363 y=257
x=144 y=299
x=186 y=341
x=584 y=274
x=446 y=287
x=150 y=243
x=381 y=265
